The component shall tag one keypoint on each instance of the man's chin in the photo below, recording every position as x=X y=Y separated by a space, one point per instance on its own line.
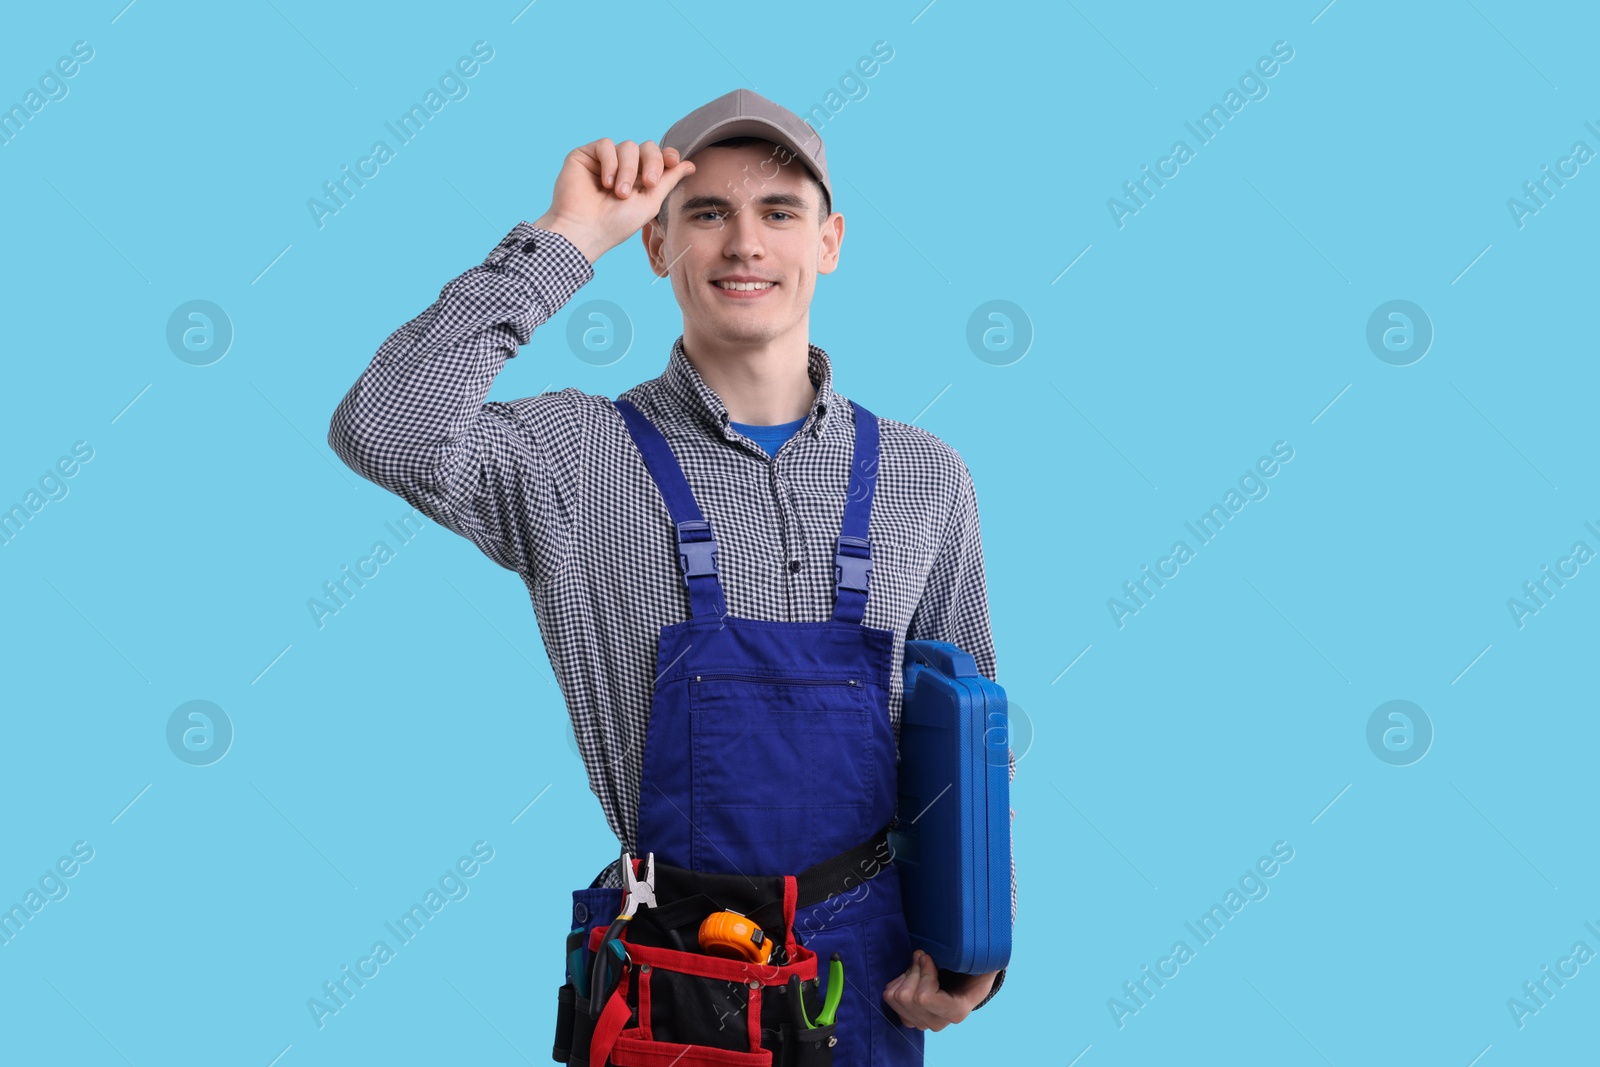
x=744 y=329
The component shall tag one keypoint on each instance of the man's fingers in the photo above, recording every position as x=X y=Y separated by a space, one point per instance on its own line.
x=627 y=167
x=895 y=991
x=927 y=975
x=918 y=1000
x=650 y=165
x=905 y=989
x=673 y=175
x=606 y=152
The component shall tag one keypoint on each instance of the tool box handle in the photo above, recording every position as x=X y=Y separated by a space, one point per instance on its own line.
x=944 y=657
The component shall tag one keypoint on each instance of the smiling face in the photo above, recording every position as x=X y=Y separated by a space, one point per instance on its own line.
x=750 y=214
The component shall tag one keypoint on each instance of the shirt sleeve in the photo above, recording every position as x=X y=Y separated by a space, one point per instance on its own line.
x=416 y=423
x=955 y=608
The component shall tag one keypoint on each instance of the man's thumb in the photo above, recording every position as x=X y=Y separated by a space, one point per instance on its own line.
x=670 y=178
x=657 y=194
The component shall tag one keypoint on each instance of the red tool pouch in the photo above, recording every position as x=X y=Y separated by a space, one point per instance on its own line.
x=678 y=1006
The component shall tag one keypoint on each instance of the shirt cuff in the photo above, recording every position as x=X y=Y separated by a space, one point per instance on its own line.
x=549 y=264
x=999 y=980
x=949 y=978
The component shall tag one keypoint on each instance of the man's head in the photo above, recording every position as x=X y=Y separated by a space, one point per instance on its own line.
x=773 y=157
x=750 y=210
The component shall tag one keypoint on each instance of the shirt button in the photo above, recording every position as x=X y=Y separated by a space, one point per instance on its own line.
x=529 y=245
x=794 y=565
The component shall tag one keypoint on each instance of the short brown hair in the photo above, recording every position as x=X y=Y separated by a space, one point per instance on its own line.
x=740 y=142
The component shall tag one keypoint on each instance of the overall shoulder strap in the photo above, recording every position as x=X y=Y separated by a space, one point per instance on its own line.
x=852 y=558
x=697 y=546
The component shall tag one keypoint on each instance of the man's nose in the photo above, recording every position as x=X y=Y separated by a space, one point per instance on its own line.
x=742 y=233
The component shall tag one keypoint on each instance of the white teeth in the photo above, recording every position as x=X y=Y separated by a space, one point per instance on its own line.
x=745 y=286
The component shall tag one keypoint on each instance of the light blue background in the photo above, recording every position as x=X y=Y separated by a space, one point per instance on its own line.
x=1228 y=314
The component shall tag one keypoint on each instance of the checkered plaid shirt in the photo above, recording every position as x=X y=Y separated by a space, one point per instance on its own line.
x=552 y=487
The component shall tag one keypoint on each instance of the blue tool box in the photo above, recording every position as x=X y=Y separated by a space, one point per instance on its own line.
x=952 y=837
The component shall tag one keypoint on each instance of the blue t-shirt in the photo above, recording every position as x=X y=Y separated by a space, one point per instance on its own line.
x=770 y=438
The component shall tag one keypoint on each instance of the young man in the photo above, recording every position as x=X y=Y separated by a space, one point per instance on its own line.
x=792 y=530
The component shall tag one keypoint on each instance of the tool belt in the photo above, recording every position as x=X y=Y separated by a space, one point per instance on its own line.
x=675 y=1004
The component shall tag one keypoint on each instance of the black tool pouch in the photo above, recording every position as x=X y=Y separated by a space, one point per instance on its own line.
x=591 y=907
x=802 y=1047
x=676 y=1004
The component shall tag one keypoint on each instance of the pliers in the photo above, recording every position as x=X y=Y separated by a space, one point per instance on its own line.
x=830 y=1003
x=606 y=972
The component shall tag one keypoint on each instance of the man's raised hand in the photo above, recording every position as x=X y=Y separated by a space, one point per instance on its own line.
x=607 y=191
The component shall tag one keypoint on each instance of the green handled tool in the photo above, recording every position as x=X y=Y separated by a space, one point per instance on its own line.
x=830 y=1003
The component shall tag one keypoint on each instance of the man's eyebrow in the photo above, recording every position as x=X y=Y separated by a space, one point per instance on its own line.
x=698 y=203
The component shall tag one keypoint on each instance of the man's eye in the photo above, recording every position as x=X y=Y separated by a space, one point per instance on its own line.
x=703 y=214
x=785 y=214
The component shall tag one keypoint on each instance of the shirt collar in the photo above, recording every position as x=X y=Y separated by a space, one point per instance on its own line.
x=684 y=384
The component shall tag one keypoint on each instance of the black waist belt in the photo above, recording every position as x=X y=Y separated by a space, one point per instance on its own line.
x=687 y=896
x=834 y=875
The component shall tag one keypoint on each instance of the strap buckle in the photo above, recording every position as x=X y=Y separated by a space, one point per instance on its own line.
x=697 y=548
x=852 y=563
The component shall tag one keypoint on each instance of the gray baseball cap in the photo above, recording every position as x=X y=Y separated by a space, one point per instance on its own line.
x=743 y=113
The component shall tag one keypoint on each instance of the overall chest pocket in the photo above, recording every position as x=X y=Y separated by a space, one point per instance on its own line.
x=781 y=760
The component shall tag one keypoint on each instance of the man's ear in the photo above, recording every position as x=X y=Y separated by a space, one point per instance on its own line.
x=831 y=237
x=654 y=238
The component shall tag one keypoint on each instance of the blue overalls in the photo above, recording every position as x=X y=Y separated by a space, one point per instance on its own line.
x=769 y=747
